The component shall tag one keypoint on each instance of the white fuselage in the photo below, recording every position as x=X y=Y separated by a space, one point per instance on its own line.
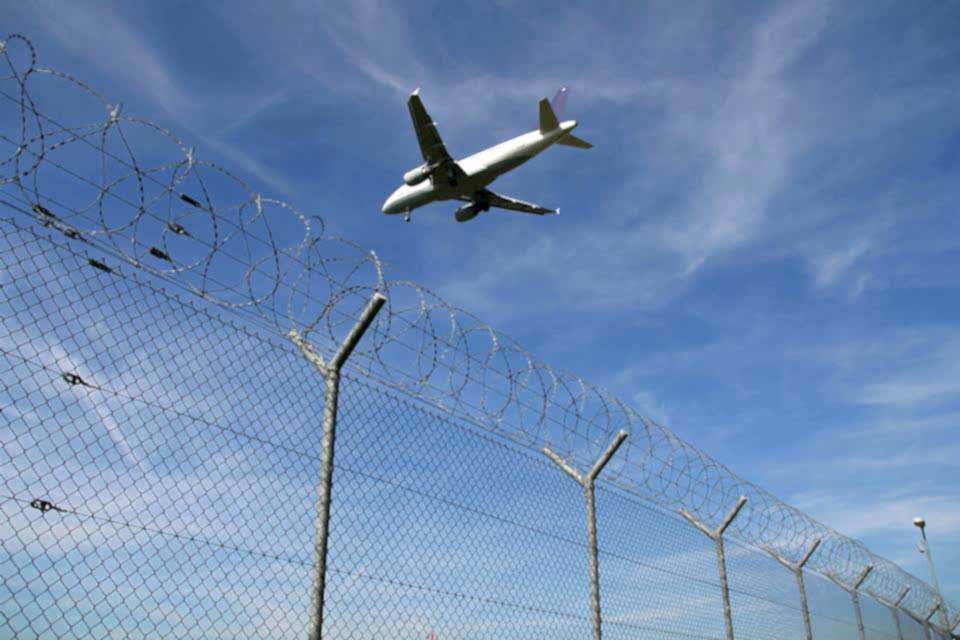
x=481 y=169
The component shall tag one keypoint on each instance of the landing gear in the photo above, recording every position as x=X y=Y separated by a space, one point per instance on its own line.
x=406 y=216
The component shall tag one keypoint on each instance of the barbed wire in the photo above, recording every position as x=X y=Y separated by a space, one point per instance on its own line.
x=76 y=162
x=62 y=257
x=173 y=412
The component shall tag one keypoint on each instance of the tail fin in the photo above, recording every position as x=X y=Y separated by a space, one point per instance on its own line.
x=551 y=112
x=559 y=102
x=548 y=119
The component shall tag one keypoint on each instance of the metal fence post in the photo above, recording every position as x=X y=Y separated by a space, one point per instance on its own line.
x=797 y=569
x=926 y=619
x=893 y=610
x=855 y=596
x=853 y=590
x=588 y=482
x=717 y=537
x=331 y=375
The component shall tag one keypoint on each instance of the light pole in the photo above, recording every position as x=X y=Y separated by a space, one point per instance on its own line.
x=924 y=547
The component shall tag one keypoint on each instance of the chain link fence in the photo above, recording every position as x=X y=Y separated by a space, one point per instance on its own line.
x=163 y=436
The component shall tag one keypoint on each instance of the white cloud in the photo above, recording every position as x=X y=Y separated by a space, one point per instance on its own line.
x=909 y=368
x=888 y=515
x=373 y=37
x=100 y=34
x=925 y=385
x=739 y=133
x=751 y=138
x=831 y=265
x=251 y=165
x=97 y=32
x=902 y=369
x=745 y=133
x=649 y=405
x=47 y=350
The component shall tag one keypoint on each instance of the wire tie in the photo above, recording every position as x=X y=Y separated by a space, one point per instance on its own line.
x=162 y=255
x=96 y=264
x=190 y=201
x=73 y=378
x=177 y=229
x=44 y=505
x=42 y=210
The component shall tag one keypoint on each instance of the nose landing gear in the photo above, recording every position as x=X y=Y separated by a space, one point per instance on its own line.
x=406 y=215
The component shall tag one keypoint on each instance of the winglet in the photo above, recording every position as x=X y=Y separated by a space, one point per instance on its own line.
x=416 y=92
x=557 y=210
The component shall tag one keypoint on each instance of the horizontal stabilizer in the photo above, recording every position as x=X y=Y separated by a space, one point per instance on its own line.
x=573 y=141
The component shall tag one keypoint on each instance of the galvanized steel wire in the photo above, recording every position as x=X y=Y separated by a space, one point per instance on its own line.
x=134 y=200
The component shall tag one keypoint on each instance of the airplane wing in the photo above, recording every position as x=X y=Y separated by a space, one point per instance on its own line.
x=485 y=196
x=431 y=144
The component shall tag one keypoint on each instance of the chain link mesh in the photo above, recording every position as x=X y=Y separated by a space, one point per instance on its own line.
x=161 y=437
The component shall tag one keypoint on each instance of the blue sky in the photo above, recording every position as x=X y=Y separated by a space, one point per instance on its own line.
x=760 y=250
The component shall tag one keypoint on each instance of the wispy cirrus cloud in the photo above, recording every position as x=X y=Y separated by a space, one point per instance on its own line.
x=902 y=368
x=105 y=36
x=751 y=137
x=99 y=33
x=740 y=136
x=885 y=514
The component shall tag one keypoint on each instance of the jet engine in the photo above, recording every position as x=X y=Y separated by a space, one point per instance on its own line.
x=470 y=211
x=418 y=175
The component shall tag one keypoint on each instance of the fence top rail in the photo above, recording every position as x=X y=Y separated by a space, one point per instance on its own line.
x=151 y=200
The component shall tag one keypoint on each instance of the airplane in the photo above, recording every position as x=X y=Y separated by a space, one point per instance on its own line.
x=440 y=177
